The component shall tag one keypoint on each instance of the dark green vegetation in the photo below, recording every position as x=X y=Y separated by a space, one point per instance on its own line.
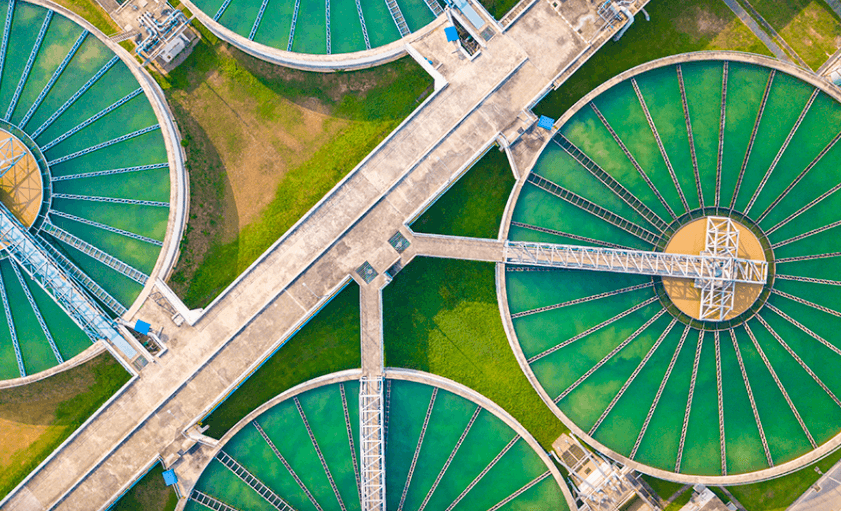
x=328 y=343
x=498 y=8
x=681 y=501
x=810 y=27
x=264 y=144
x=778 y=494
x=663 y=488
x=37 y=418
x=441 y=316
x=676 y=26
x=93 y=14
x=460 y=212
x=149 y=494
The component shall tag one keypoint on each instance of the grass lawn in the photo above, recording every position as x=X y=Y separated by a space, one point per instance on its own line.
x=498 y=8
x=93 y=14
x=460 y=213
x=810 y=27
x=149 y=494
x=663 y=488
x=778 y=494
x=676 y=26
x=328 y=343
x=680 y=501
x=37 y=418
x=441 y=316
x=264 y=144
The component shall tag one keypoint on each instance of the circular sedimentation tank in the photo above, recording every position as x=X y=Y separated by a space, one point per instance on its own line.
x=318 y=34
x=624 y=360
x=85 y=169
x=446 y=448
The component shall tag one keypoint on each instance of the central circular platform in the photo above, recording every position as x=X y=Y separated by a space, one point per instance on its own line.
x=21 y=186
x=690 y=239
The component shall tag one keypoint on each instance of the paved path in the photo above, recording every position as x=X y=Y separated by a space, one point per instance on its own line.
x=297 y=275
x=453 y=247
x=757 y=30
x=829 y=496
x=371 y=331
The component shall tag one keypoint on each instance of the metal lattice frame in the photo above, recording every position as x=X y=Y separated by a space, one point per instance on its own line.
x=48 y=273
x=716 y=270
x=10 y=153
x=373 y=447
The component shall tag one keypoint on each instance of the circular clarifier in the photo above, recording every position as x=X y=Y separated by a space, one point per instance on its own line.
x=446 y=448
x=84 y=167
x=625 y=360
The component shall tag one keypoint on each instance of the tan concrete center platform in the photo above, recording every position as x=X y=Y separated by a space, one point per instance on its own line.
x=21 y=187
x=690 y=240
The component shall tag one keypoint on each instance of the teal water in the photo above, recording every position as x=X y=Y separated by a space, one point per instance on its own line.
x=311 y=30
x=798 y=179
x=240 y=16
x=149 y=148
x=416 y=13
x=381 y=27
x=407 y=405
x=345 y=28
x=274 y=27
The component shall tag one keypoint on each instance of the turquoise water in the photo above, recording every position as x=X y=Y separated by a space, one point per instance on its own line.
x=773 y=192
x=346 y=35
x=30 y=116
x=408 y=402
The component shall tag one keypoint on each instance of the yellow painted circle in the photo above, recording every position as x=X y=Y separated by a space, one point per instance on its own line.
x=21 y=187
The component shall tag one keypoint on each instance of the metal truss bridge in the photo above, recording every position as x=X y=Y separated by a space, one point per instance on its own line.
x=716 y=270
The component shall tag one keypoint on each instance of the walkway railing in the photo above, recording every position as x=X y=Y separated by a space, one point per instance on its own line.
x=319 y=453
x=373 y=449
x=721 y=121
x=575 y=237
x=104 y=227
x=28 y=67
x=286 y=464
x=397 y=16
x=690 y=135
x=751 y=399
x=762 y=105
x=351 y=443
x=12 y=330
x=689 y=400
x=248 y=478
x=37 y=311
x=7 y=27
x=210 y=502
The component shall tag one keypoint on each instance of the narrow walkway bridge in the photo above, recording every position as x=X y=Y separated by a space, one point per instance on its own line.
x=475 y=102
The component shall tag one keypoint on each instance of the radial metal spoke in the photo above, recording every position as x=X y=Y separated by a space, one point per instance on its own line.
x=254 y=483
x=804 y=329
x=105 y=144
x=721 y=121
x=222 y=9
x=780 y=386
x=327 y=17
x=610 y=355
x=365 y=28
x=689 y=401
x=108 y=228
x=806 y=302
x=633 y=376
x=350 y=440
x=28 y=67
x=593 y=208
x=751 y=399
x=286 y=465
x=782 y=150
x=484 y=472
x=112 y=200
x=450 y=459
x=659 y=392
x=84 y=124
x=7 y=27
x=110 y=172
x=570 y=236
x=753 y=136
x=259 y=18
x=53 y=79
x=807 y=257
x=12 y=330
x=210 y=502
x=633 y=160
x=38 y=315
x=798 y=360
x=582 y=300
x=659 y=142
x=690 y=135
x=612 y=184
x=319 y=453
x=292 y=26
x=805 y=208
x=799 y=177
x=806 y=234
x=808 y=279
x=417 y=449
x=718 y=381
x=521 y=491
x=589 y=331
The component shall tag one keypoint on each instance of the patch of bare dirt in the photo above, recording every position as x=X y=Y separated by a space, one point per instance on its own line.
x=700 y=23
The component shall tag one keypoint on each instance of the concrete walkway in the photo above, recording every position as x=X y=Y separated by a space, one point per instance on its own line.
x=757 y=30
x=298 y=274
x=828 y=494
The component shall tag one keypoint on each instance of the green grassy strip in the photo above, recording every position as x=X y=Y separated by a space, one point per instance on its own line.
x=328 y=343
x=372 y=116
x=778 y=494
x=149 y=494
x=661 y=487
x=676 y=26
x=71 y=411
x=681 y=501
x=441 y=316
x=93 y=13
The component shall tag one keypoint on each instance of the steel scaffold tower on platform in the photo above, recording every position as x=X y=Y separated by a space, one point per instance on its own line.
x=373 y=446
